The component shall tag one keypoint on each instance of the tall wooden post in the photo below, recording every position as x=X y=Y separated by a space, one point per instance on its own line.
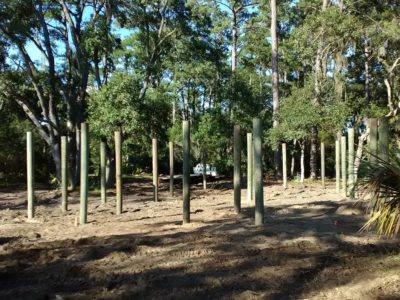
x=383 y=142
x=351 y=158
x=344 y=167
x=337 y=165
x=253 y=186
x=373 y=138
x=64 y=174
x=84 y=174
x=249 y=167
x=155 y=169
x=186 y=172
x=118 y=171
x=171 y=168
x=323 y=164
x=236 y=165
x=103 y=172
x=30 y=178
x=204 y=173
x=284 y=165
x=258 y=179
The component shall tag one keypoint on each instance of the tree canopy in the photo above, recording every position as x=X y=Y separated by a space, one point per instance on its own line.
x=143 y=66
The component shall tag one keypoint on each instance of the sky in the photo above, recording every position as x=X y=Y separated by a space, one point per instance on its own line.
x=39 y=58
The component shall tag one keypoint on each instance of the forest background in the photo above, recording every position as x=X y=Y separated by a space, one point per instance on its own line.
x=144 y=66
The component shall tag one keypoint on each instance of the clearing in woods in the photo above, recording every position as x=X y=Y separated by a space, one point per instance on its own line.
x=309 y=248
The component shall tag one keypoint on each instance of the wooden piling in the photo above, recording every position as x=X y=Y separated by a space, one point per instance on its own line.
x=284 y=165
x=103 y=182
x=351 y=159
x=171 y=168
x=64 y=174
x=118 y=171
x=344 y=166
x=186 y=172
x=373 y=138
x=236 y=171
x=30 y=174
x=155 y=169
x=84 y=174
x=337 y=165
x=323 y=164
x=249 y=167
x=258 y=179
x=383 y=141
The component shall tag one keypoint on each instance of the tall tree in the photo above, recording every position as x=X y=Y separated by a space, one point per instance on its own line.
x=275 y=76
x=58 y=30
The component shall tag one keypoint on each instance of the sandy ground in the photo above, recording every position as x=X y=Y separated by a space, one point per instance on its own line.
x=309 y=248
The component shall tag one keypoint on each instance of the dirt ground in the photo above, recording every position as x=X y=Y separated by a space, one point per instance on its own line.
x=309 y=248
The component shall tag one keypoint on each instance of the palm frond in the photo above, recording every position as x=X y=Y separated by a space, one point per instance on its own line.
x=379 y=183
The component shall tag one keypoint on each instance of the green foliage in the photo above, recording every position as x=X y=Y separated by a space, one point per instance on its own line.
x=144 y=63
x=113 y=106
x=374 y=111
x=297 y=115
x=13 y=128
x=117 y=105
x=208 y=138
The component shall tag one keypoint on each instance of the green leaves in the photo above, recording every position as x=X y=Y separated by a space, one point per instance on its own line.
x=117 y=104
x=297 y=115
x=114 y=105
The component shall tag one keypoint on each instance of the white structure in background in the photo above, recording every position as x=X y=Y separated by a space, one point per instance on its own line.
x=210 y=170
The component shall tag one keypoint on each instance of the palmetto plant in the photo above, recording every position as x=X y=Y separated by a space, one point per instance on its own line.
x=379 y=184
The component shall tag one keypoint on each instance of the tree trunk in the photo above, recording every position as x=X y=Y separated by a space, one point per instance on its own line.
x=73 y=162
x=275 y=76
x=173 y=111
x=320 y=71
x=56 y=154
x=110 y=167
x=367 y=53
x=275 y=82
x=233 y=63
x=292 y=167
x=293 y=161
x=234 y=41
